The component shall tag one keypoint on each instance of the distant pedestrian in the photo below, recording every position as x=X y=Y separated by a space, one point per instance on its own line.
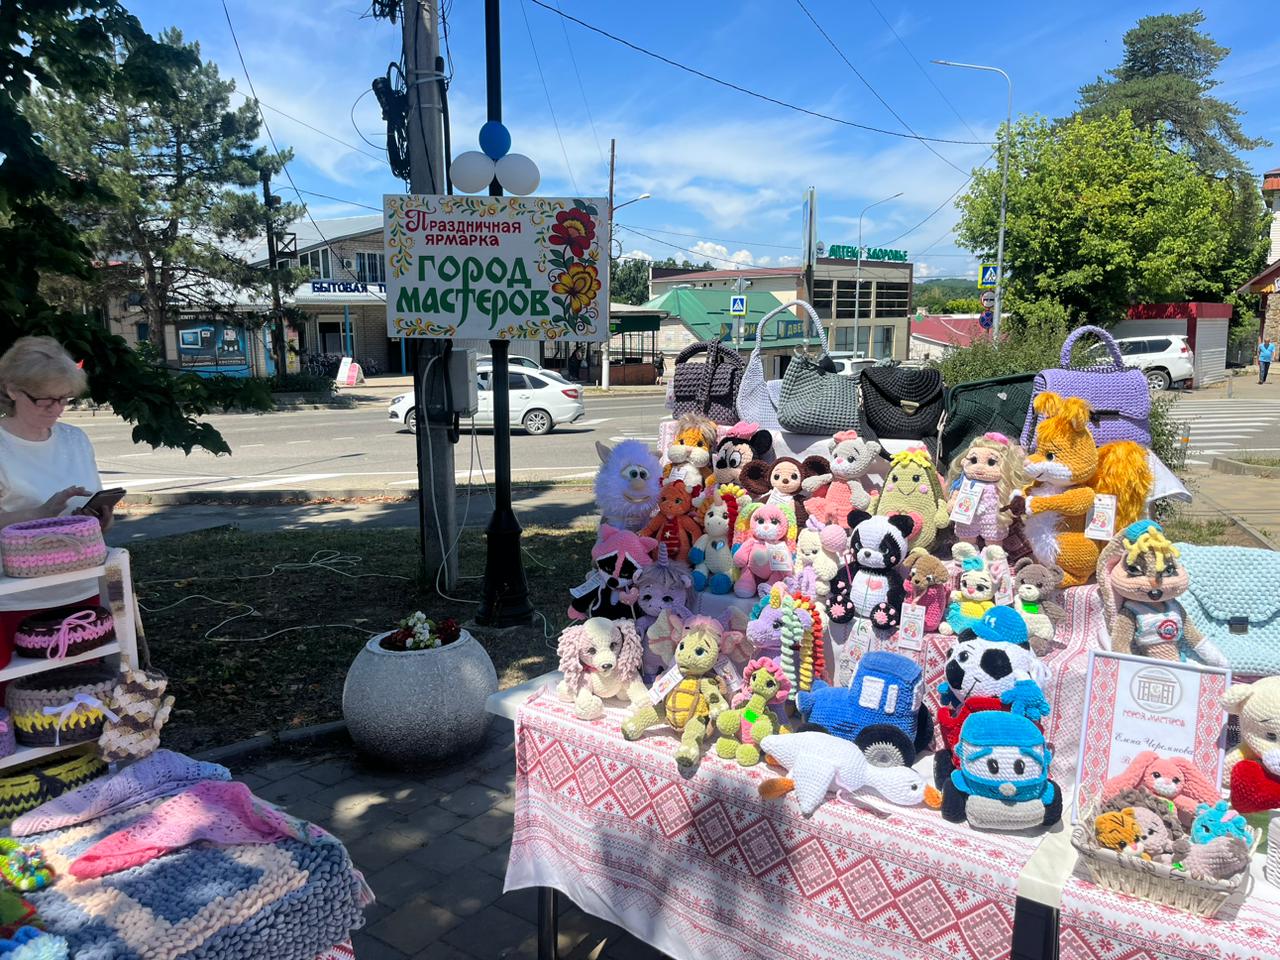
x=1266 y=350
x=659 y=367
x=575 y=363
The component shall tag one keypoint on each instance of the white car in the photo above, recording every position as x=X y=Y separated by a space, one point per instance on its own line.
x=1165 y=360
x=485 y=364
x=538 y=403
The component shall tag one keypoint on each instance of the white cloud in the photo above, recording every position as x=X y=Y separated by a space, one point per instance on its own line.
x=635 y=254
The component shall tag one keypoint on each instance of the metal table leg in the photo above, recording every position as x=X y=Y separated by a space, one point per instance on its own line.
x=1035 y=931
x=548 y=923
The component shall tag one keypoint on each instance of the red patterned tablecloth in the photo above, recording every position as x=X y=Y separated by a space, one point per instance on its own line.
x=1097 y=924
x=703 y=868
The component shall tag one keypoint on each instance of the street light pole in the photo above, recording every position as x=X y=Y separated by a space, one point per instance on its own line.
x=604 y=354
x=857 y=285
x=1004 y=188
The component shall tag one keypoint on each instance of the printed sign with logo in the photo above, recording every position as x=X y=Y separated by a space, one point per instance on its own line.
x=1101 y=522
x=1134 y=704
x=911 y=627
x=967 y=498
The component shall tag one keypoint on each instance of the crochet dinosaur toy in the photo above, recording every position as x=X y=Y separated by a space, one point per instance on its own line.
x=749 y=720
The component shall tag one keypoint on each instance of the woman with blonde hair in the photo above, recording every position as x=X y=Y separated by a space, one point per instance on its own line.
x=47 y=468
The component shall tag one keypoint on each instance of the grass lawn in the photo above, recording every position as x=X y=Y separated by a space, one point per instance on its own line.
x=230 y=686
x=1207 y=531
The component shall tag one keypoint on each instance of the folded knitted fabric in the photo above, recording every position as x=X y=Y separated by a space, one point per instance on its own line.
x=213 y=810
x=29 y=943
x=160 y=775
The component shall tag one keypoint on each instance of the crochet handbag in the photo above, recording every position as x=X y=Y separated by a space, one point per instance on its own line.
x=901 y=403
x=1119 y=395
x=1234 y=598
x=38 y=548
x=758 y=397
x=62 y=706
x=33 y=786
x=983 y=406
x=815 y=398
x=709 y=387
x=142 y=707
x=58 y=637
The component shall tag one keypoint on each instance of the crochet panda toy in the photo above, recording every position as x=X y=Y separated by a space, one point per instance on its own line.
x=868 y=583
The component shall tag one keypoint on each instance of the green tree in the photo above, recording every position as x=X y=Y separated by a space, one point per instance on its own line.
x=963 y=305
x=1101 y=215
x=77 y=49
x=629 y=281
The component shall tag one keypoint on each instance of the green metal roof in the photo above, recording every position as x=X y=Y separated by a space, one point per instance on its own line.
x=706 y=314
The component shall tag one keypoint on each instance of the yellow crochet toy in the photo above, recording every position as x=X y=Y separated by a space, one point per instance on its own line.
x=1117 y=829
x=913 y=487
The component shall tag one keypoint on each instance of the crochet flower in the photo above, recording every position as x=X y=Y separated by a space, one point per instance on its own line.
x=580 y=284
x=573 y=229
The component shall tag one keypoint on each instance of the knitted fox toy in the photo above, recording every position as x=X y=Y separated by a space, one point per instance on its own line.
x=1067 y=472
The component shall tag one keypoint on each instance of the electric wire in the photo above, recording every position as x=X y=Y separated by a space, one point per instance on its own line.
x=524 y=12
x=352 y=203
x=360 y=133
x=573 y=59
x=676 y=246
x=875 y=93
x=746 y=90
x=938 y=208
x=315 y=129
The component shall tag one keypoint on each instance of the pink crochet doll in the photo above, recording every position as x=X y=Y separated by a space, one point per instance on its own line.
x=991 y=467
x=765 y=555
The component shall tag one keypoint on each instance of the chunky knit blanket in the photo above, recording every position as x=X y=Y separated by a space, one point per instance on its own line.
x=290 y=900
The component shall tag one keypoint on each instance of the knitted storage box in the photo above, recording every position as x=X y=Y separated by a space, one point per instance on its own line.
x=60 y=707
x=37 y=548
x=1147 y=880
x=29 y=788
x=58 y=636
x=8 y=744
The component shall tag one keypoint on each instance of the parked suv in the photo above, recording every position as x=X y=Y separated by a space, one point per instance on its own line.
x=1166 y=360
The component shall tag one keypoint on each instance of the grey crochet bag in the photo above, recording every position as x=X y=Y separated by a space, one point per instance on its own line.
x=815 y=398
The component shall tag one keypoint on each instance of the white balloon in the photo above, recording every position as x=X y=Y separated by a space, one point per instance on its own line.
x=471 y=172
x=518 y=174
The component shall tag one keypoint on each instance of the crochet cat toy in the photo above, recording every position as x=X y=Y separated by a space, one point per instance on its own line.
x=992 y=467
x=693 y=704
x=1002 y=780
x=743 y=443
x=615 y=559
x=818 y=548
x=1160 y=834
x=600 y=660
x=818 y=763
x=765 y=554
x=1067 y=471
x=841 y=488
x=689 y=455
x=1035 y=589
x=1175 y=780
x=660 y=587
x=928 y=585
x=749 y=720
x=673 y=526
x=912 y=488
x=976 y=586
x=627 y=484
x=1118 y=830
x=712 y=553
x=1219 y=820
x=1140 y=580
x=869 y=584
x=1252 y=769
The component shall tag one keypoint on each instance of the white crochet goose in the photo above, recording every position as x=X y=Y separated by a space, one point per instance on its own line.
x=819 y=762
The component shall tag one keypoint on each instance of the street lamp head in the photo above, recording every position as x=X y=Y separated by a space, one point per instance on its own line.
x=643 y=196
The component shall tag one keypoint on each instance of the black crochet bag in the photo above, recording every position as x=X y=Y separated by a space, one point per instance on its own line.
x=983 y=406
x=711 y=387
x=900 y=403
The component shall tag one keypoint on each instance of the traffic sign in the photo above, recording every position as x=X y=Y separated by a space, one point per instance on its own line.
x=988 y=299
x=988 y=276
x=738 y=305
x=984 y=320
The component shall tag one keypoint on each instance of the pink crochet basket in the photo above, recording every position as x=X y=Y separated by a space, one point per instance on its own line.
x=57 y=637
x=38 y=548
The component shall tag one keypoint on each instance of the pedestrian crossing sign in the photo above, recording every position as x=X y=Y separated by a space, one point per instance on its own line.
x=738 y=305
x=988 y=276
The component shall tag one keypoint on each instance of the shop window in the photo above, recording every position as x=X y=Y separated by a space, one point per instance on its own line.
x=330 y=336
x=883 y=342
x=823 y=291
x=317 y=261
x=845 y=342
x=892 y=299
x=370 y=268
x=143 y=332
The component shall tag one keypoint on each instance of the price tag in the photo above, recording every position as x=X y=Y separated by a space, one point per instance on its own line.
x=967 y=498
x=911 y=627
x=728 y=672
x=1003 y=580
x=780 y=559
x=862 y=637
x=1101 y=522
x=664 y=685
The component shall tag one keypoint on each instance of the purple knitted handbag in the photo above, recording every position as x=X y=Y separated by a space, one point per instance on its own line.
x=1119 y=395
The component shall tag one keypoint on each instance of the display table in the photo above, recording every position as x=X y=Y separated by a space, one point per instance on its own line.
x=703 y=868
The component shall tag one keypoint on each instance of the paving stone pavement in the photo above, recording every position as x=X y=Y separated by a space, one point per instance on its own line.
x=434 y=848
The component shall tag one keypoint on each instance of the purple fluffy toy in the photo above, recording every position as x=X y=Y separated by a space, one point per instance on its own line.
x=627 y=484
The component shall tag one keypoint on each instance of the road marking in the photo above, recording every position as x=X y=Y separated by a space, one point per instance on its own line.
x=133 y=482
x=291 y=478
x=294 y=443
x=246 y=446
x=336 y=438
x=130 y=456
x=589 y=423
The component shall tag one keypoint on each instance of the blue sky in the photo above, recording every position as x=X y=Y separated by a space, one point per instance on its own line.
x=724 y=169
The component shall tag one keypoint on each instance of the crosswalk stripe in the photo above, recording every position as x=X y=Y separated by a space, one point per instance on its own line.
x=277 y=481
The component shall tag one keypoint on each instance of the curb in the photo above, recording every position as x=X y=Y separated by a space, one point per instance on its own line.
x=1241 y=468
x=1250 y=531
x=242 y=750
x=280 y=498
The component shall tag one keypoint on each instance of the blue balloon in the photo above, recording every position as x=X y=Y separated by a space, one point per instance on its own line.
x=495 y=140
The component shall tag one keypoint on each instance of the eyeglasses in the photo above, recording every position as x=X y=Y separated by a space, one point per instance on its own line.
x=47 y=403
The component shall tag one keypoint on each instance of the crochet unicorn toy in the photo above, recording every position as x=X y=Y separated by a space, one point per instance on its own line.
x=600 y=661
x=627 y=484
x=749 y=721
x=787 y=629
x=712 y=553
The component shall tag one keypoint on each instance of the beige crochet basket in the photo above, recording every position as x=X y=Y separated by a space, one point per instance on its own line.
x=1271 y=870
x=1157 y=882
x=61 y=706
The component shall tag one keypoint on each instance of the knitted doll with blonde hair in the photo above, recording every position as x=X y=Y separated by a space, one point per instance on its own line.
x=992 y=464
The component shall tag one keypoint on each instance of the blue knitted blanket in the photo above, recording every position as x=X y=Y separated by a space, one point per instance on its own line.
x=289 y=900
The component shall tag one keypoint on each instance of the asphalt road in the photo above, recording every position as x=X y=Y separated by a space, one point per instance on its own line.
x=1223 y=426
x=359 y=448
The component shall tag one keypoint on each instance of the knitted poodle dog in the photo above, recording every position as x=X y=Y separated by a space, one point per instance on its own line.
x=600 y=660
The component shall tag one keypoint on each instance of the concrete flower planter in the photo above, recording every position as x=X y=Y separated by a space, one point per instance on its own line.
x=415 y=707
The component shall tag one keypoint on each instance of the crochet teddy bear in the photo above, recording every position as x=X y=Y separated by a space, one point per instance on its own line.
x=1002 y=778
x=627 y=484
x=1174 y=780
x=1252 y=768
x=868 y=584
x=600 y=660
x=818 y=548
x=749 y=720
x=141 y=709
x=673 y=525
x=693 y=704
x=1035 y=588
x=689 y=454
x=1140 y=580
x=840 y=488
x=976 y=586
x=616 y=558
x=743 y=443
x=928 y=585
x=912 y=488
x=990 y=472
x=765 y=554
x=712 y=553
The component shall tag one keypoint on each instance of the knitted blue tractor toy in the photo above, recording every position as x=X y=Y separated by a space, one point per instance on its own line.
x=1002 y=782
x=881 y=711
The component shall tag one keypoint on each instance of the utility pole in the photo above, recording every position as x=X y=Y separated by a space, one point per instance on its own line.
x=604 y=353
x=277 y=311
x=437 y=512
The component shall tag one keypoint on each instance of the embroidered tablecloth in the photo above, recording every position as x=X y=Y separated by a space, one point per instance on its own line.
x=703 y=868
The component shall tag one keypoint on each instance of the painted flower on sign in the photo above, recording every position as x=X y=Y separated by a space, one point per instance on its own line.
x=573 y=229
x=579 y=284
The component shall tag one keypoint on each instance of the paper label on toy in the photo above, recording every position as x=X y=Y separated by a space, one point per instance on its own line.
x=1101 y=523
x=1002 y=577
x=778 y=559
x=664 y=685
x=967 y=497
x=911 y=627
x=728 y=672
x=861 y=637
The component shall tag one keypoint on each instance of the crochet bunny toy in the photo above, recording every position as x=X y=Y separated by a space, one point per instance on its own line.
x=869 y=584
x=749 y=720
x=912 y=487
x=673 y=526
x=1067 y=471
x=1035 y=588
x=992 y=467
x=819 y=548
x=1220 y=842
x=600 y=660
x=1174 y=780
x=765 y=555
x=929 y=585
x=712 y=553
x=1252 y=769
x=615 y=559
x=627 y=484
x=743 y=443
x=1140 y=580
x=1002 y=781
x=689 y=455
x=976 y=586
x=833 y=493
x=662 y=586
